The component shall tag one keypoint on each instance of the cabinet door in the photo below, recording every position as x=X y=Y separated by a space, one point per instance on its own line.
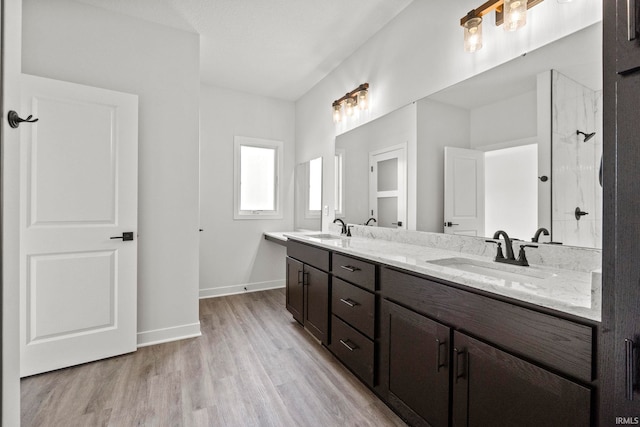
x=493 y=388
x=627 y=36
x=625 y=290
x=316 y=303
x=295 y=289
x=417 y=353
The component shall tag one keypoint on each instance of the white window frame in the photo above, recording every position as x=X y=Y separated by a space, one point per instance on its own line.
x=240 y=141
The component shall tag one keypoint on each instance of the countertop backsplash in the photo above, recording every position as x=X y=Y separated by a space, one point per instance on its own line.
x=555 y=256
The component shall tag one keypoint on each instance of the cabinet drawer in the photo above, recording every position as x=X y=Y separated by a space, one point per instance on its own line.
x=354 y=305
x=353 y=349
x=558 y=343
x=355 y=271
x=311 y=255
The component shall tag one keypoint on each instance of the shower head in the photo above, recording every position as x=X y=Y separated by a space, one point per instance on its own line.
x=587 y=136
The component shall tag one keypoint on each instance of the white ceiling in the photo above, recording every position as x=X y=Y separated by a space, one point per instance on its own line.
x=274 y=48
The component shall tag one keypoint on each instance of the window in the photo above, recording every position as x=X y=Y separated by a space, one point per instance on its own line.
x=314 y=188
x=256 y=178
x=339 y=183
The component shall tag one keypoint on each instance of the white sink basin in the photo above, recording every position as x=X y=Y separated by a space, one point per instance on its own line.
x=507 y=272
x=323 y=236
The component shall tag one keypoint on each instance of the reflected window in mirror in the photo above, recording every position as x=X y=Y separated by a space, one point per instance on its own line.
x=313 y=204
x=339 y=183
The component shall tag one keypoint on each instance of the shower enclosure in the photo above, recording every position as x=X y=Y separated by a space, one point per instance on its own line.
x=576 y=143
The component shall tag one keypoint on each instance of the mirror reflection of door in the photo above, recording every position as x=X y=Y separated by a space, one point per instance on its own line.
x=388 y=186
x=486 y=191
x=463 y=191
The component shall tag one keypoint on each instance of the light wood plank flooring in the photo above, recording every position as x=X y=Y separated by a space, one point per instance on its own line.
x=253 y=366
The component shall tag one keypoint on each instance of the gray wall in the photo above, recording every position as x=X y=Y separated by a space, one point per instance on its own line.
x=70 y=41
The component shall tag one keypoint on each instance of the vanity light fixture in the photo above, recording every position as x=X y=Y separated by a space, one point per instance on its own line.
x=511 y=13
x=359 y=97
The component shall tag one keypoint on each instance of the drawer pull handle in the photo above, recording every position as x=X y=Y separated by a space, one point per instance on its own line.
x=629 y=377
x=631 y=20
x=350 y=268
x=351 y=347
x=460 y=371
x=439 y=363
x=349 y=302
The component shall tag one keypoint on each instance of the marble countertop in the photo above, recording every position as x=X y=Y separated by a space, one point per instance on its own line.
x=574 y=292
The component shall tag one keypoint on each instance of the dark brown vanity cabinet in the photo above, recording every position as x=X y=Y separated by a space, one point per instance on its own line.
x=494 y=388
x=295 y=289
x=353 y=308
x=415 y=354
x=452 y=357
x=308 y=288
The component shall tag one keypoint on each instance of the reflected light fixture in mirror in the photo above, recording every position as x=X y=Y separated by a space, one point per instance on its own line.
x=358 y=97
x=511 y=13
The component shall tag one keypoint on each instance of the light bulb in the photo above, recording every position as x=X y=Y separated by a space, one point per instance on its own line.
x=337 y=114
x=350 y=103
x=363 y=99
x=473 y=34
x=515 y=14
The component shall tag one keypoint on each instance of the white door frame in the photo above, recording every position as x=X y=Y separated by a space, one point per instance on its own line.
x=402 y=181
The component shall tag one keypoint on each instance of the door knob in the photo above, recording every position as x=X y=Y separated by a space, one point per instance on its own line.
x=449 y=224
x=127 y=235
x=399 y=223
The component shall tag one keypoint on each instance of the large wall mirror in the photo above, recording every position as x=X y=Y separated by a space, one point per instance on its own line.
x=515 y=148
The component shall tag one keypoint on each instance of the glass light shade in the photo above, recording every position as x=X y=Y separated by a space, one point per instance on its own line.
x=515 y=14
x=473 y=34
x=363 y=99
x=337 y=113
x=350 y=103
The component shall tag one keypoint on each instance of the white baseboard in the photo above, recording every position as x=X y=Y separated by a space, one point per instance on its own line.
x=174 y=333
x=242 y=288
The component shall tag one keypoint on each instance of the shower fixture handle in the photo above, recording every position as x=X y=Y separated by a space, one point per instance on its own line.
x=580 y=213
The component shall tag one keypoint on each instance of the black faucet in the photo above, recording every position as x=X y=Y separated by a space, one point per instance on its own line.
x=344 y=226
x=509 y=258
x=539 y=231
x=507 y=244
x=369 y=220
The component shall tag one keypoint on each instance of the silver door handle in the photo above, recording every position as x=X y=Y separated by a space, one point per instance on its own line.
x=631 y=20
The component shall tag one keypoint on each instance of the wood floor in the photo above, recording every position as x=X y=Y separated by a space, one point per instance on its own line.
x=252 y=366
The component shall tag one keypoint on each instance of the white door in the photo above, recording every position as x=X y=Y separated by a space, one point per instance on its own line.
x=78 y=190
x=388 y=186
x=463 y=191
